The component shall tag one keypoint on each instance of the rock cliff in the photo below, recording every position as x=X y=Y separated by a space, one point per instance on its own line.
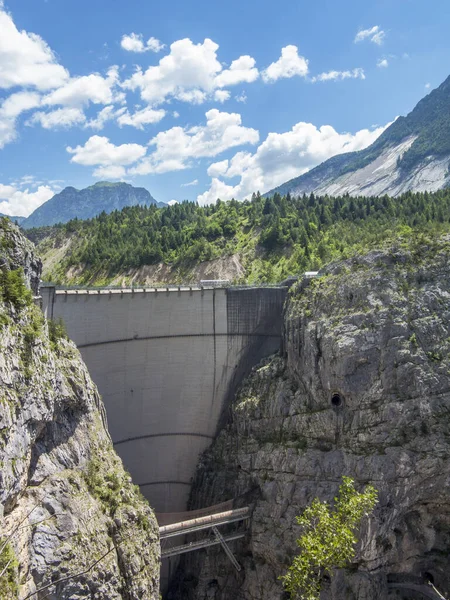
x=71 y=522
x=362 y=389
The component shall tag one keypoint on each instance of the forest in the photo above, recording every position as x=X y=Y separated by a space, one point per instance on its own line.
x=274 y=237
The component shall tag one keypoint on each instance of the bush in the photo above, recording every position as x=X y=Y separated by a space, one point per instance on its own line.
x=57 y=331
x=14 y=290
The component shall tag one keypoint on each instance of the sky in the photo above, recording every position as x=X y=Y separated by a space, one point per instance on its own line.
x=199 y=100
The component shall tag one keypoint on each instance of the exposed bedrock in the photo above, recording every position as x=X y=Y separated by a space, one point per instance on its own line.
x=71 y=522
x=362 y=390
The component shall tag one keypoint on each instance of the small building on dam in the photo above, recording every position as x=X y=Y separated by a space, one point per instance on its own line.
x=167 y=362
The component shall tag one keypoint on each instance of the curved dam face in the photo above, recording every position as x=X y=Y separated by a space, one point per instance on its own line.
x=167 y=362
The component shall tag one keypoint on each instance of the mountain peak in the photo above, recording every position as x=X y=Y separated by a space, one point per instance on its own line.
x=103 y=196
x=413 y=153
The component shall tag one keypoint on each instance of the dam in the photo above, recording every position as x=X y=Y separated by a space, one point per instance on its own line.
x=167 y=362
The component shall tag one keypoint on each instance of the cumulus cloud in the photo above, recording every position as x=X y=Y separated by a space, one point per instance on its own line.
x=98 y=151
x=80 y=91
x=288 y=65
x=190 y=183
x=241 y=70
x=26 y=59
x=21 y=202
x=141 y=118
x=10 y=109
x=218 y=168
x=190 y=73
x=222 y=95
x=188 y=67
x=374 y=34
x=175 y=147
x=383 y=63
x=108 y=113
x=340 y=75
x=242 y=97
x=280 y=157
x=134 y=42
x=62 y=118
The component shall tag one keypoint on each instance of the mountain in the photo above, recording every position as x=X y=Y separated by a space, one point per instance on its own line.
x=18 y=220
x=85 y=204
x=411 y=154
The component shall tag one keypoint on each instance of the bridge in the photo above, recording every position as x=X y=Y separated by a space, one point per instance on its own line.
x=167 y=362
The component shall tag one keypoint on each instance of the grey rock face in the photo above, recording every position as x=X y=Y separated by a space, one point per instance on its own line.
x=16 y=252
x=78 y=527
x=87 y=203
x=376 y=331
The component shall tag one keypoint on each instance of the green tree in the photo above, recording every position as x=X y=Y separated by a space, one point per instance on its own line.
x=328 y=539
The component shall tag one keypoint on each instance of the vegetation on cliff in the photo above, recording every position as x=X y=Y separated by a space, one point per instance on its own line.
x=328 y=539
x=273 y=237
x=72 y=524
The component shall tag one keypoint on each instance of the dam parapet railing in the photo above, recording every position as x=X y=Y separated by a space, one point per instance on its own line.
x=155 y=287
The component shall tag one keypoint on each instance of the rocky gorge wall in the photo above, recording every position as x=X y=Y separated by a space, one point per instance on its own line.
x=71 y=522
x=362 y=389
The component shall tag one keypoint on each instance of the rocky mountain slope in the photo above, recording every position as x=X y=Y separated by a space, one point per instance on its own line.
x=412 y=154
x=362 y=389
x=71 y=522
x=17 y=220
x=87 y=203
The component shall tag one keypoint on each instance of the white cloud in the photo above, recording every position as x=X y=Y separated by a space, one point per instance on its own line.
x=98 y=151
x=175 y=114
x=288 y=65
x=172 y=202
x=79 y=91
x=374 y=34
x=222 y=95
x=280 y=157
x=383 y=63
x=103 y=116
x=190 y=73
x=110 y=172
x=187 y=67
x=22 y=202
x=135 y=43
x=155 y=45
x=26 y=59
x=427 y=86
x=177 y=146
x=142 y=117
x=241 y=70
x=242 y=97
x=218 y=168
x=62 y=118
x=189 y=184
x=340 y=75
x=10 y=109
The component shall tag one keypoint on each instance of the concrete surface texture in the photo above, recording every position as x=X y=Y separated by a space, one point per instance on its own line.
x=167 y=362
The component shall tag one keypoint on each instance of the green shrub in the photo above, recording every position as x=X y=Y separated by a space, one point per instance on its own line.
x=8 y=564
x=57 y=331
x=14 y=290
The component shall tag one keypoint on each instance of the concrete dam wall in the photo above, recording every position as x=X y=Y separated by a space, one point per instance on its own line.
x=167 y=362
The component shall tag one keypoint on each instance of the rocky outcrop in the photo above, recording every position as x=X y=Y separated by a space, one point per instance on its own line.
x=362 y=389
x=71 y=522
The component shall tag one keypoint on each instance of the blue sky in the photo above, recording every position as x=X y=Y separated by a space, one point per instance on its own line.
x=202 y=99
